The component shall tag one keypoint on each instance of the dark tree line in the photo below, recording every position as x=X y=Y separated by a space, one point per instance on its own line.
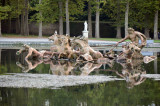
x=138 y=14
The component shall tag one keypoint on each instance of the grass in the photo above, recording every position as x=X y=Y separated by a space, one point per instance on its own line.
x=45 y=36
x=116 y=39
x=108 y=39
x=21 y=36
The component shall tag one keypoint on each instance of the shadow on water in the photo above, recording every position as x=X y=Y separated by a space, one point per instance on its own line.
x=135 y=90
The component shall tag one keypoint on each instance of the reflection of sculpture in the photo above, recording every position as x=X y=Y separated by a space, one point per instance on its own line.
x=61 y=67
x=132 y=73
x=72 y=68
x=148 y=59
x=89 y=67
x=30 y=65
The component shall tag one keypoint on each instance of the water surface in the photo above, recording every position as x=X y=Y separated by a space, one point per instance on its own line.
x=122 y=84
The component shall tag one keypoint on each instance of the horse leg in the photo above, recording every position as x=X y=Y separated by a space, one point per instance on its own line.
x=59 y=55
x=29 y=53
x=20 y=51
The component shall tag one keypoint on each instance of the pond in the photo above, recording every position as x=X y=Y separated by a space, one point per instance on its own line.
x=63 y=83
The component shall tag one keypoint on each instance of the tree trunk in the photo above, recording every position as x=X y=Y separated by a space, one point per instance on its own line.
x=67 y=19
x=118 y=35
x=89 y=19
x=17 y=25
x=0 y=29
x=40 y=23
x=22 y=23
x=0 y=55
x=155 y=64
x=9 y=29
x=146 y=29
x=118 y=32
x=156 y=25
x=26 y=30
x=97 y=20
x=18 y=20
x=146 y=32
x=126 y=18
x=60 y=17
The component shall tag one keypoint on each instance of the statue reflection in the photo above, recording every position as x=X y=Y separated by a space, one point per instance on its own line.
x=70 y=68
x=89 y=67
x=132 y=73
x=31 y=64
x=61 y=67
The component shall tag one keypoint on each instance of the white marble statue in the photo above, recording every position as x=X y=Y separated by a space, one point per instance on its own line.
x=55 y=32
x=85 y=26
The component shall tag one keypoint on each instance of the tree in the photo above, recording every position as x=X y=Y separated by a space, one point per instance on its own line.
x=0 y=55
x=157 y=3
x=3 y=14
x=45 y=11
x=89 y=19
x=14 y=13
x=24 y=18
x=97 y=20
x=114 y=9
x=26 y=28
x=55 y=11
x=60 y=3
x=144 y=15
x=16 y=8
x=126 y=17
x=40 y=23
x=67 y=19
x=156 y=25
x=118 y=35
x=142 y=18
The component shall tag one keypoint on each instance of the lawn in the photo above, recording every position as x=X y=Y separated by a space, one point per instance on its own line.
x=45 y=36
x=116 y=39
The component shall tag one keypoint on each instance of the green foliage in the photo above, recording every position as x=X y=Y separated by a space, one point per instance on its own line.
x=142 y=13
x=49 y=9
x=76 y=8
x=16 y=7
x=115 y=10
x=4 y=12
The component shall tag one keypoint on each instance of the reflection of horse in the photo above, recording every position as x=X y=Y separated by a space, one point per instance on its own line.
x=61 y=67
x=30 y=65
x=70 y=68
x=132 y=73
x=89 y=67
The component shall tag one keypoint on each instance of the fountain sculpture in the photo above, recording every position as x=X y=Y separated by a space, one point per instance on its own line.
x=78 y=49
